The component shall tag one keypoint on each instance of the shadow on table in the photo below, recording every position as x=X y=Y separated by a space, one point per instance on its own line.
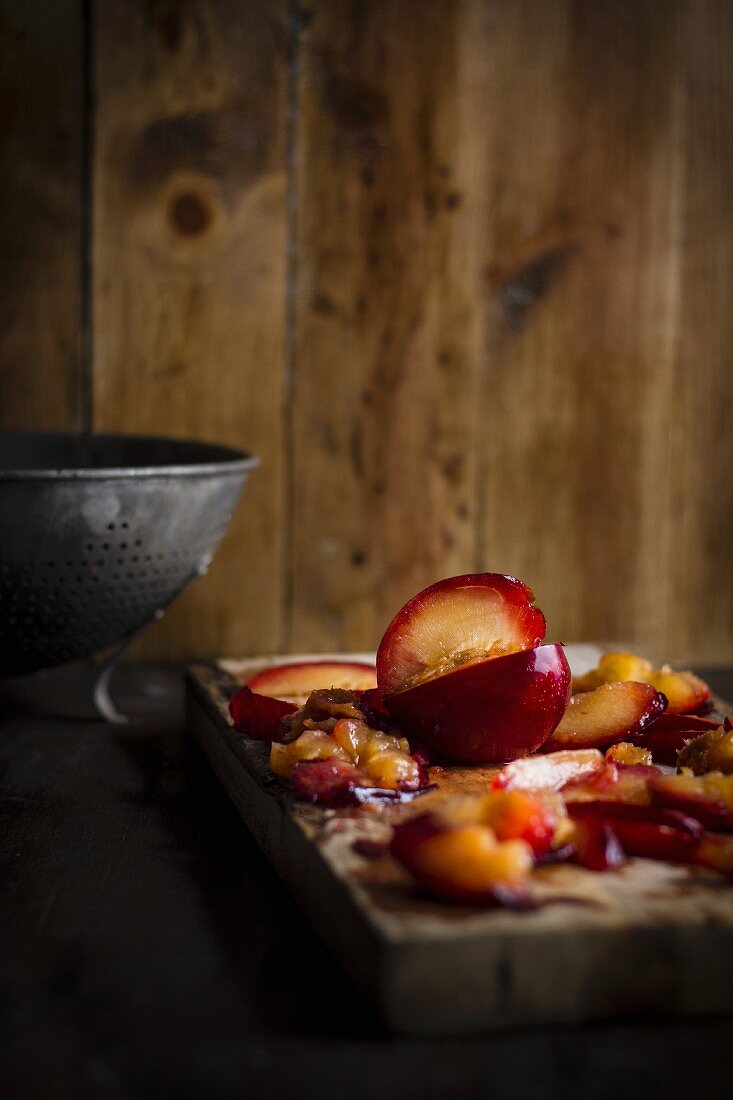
x=149 y=950
x=283 y=970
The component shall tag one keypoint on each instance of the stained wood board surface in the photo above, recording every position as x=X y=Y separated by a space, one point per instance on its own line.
x=652 y=937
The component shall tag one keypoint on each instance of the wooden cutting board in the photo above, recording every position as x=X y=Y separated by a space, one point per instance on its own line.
x=651 y=937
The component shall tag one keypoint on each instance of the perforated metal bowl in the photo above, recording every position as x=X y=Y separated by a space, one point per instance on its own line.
x=99 y=533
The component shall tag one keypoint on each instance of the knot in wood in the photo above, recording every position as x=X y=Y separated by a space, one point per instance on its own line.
x=189 y=213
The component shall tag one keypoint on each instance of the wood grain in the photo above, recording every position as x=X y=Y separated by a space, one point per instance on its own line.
x=458 y=270
x=583 y=303
x=41 y=168
x=189 y=271
x=701 y=411
x=538 y=414
x=390 y=205
x=583 y=953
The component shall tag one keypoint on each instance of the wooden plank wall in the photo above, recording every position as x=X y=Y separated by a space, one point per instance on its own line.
x=43 y=379
x=388 y=327
x=189 y=273
x=458 y=270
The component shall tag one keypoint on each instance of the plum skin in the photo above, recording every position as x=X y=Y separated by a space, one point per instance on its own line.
x=490 y=711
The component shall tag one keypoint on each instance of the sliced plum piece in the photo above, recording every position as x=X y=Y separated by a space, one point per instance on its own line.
x=610 y=713
x=297 y=680
x=257 y=715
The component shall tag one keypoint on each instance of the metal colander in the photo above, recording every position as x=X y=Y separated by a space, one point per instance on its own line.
x=98 y=534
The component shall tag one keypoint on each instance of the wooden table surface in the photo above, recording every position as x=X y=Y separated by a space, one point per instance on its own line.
x=147 y=949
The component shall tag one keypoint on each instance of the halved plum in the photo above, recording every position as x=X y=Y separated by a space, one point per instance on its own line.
x=646 y=831
x=297 y=680
x=489 y=711
x=460 y=669
x=609 y=713
x=454 y=623
x=613 y=667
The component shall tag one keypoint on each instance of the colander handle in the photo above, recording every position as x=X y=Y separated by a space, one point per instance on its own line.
x=101 y=697
x=103 y=702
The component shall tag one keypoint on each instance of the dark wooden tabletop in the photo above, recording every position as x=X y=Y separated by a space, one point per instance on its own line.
x=148 y=950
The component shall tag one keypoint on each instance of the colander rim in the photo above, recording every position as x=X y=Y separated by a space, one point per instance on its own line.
x=224 y=460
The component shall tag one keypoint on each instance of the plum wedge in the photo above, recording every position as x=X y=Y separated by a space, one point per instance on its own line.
x=297 y=680
x=549 y=771
x=609 y=713
x=460 y=670
x=685 y=692
x=708 y=798
x=647 y=831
